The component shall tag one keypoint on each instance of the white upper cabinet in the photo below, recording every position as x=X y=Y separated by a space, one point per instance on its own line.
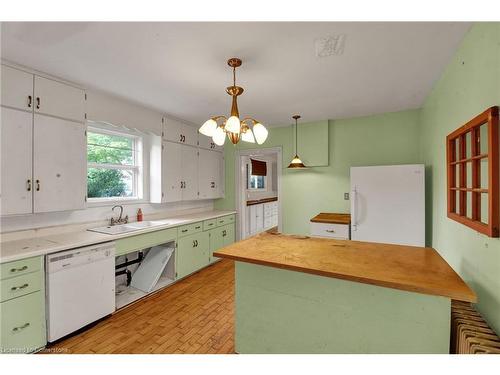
x=60 y=164
x=208 y=144
x=44 y=166
x=16 y=146
x=175 y=131
x=189 y=165
x=58 y=99
x=172 y=172
x=210 y=174
x=17 y=88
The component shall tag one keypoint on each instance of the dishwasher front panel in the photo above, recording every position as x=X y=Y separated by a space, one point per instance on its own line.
x=80 y=289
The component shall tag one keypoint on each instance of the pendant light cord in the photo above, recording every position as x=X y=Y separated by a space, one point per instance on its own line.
x=296 y=133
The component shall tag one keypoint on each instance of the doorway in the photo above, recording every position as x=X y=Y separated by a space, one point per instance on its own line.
x=258 y=191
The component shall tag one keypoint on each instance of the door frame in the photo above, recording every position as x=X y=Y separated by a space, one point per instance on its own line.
x=240 y=172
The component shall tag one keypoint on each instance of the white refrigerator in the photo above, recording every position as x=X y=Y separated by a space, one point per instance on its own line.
x=388 y=204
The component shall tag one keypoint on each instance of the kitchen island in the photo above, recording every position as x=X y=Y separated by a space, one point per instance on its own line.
x=296 y=294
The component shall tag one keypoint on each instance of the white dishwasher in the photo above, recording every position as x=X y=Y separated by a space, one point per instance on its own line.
x=80 y=288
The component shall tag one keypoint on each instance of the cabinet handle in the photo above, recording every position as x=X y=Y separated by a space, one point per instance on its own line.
x=25 y=325
x=24 y=286
x=30 y=100
x=28 y=185
x=184 y=230
x=37 y=185
x=23 y=268
x=37 y=102
x=196 y=243
x=330 y=230
x=197 y=227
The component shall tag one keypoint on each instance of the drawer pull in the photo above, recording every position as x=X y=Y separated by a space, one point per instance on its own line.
x=14 y=288
x=197 y=227
x=330 y=231
x=24 y=326
x=23 y=268
x=210 y=224
x=184 y=230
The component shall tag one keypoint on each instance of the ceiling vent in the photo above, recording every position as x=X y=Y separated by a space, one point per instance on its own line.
x=330 y=45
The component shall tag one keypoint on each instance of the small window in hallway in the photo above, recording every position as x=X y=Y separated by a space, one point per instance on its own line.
x=473 y=168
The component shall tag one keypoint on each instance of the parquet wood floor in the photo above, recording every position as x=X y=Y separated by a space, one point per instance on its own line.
x=195 y=315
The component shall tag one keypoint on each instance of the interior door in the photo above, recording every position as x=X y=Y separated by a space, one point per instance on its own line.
x=172 y=171
x=58 y=99
x=16 y=161
x=388 y=204
x=189 y=162
x=59 y=164
x=17 y=88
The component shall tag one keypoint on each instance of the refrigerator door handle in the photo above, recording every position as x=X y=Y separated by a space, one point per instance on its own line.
x=354 y=220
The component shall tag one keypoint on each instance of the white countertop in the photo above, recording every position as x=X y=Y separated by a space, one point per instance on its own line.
x=42 y=245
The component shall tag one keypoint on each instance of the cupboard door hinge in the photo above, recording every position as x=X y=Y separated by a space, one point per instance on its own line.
x=162 y=147
x=85 y=198
x=176 y=274
x=198 y=153
x=176 y=245
x=162 y=195
x=85 y=133
x=85 y=96
x=85 y=116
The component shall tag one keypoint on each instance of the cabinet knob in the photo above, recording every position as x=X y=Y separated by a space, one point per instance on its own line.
x=25 y=325
x=24 y=286
x=23 y=268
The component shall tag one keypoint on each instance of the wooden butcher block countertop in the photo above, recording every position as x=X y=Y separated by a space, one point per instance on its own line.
x=331 y=218
x=409 y=268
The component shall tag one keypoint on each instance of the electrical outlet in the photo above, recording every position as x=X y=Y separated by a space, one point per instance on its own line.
x=346 y=196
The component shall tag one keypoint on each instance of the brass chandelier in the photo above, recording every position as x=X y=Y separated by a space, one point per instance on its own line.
x=247 y=130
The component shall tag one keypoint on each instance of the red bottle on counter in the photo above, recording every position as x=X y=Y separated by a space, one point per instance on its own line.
x=139 y=215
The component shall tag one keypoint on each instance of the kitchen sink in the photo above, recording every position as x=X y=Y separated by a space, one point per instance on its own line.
x=130 y=227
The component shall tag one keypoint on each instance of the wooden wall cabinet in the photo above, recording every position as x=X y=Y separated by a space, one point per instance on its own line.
x=472 y=158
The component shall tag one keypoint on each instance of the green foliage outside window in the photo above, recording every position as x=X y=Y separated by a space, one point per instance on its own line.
x=112 y=150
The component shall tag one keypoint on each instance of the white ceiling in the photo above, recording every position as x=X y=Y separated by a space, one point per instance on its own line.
x=180 y=68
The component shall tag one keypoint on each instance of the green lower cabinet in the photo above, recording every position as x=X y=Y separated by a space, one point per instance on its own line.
x=192 y=253
x=220 y=237
x=22 y=307
x=216 y=242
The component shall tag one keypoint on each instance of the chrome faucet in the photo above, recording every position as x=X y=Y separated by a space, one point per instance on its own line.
x=120 y=220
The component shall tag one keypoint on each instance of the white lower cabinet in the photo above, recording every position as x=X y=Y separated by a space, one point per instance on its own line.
x=330 y=230
x=59 y=164
x=16 y=160
x=262 y=217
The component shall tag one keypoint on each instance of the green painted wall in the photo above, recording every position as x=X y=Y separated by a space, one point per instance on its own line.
x=390 y=138
x=469 y=85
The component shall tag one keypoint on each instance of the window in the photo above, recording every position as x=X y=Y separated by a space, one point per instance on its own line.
x=255 y=182
x=114 y=165
x=472 y=156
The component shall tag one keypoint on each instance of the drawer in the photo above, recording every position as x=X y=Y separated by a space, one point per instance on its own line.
x=143 y=241
x=209 y=224
x=224 y=220
x=20 y=285
x=339 y=231
x=189 y=229
x=23 y=324
x=20 y=267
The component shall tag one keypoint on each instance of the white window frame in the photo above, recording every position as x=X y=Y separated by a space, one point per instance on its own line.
x=138 y=180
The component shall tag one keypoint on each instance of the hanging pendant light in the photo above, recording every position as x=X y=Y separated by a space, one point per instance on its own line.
x=296 y=163
x=246 y=130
